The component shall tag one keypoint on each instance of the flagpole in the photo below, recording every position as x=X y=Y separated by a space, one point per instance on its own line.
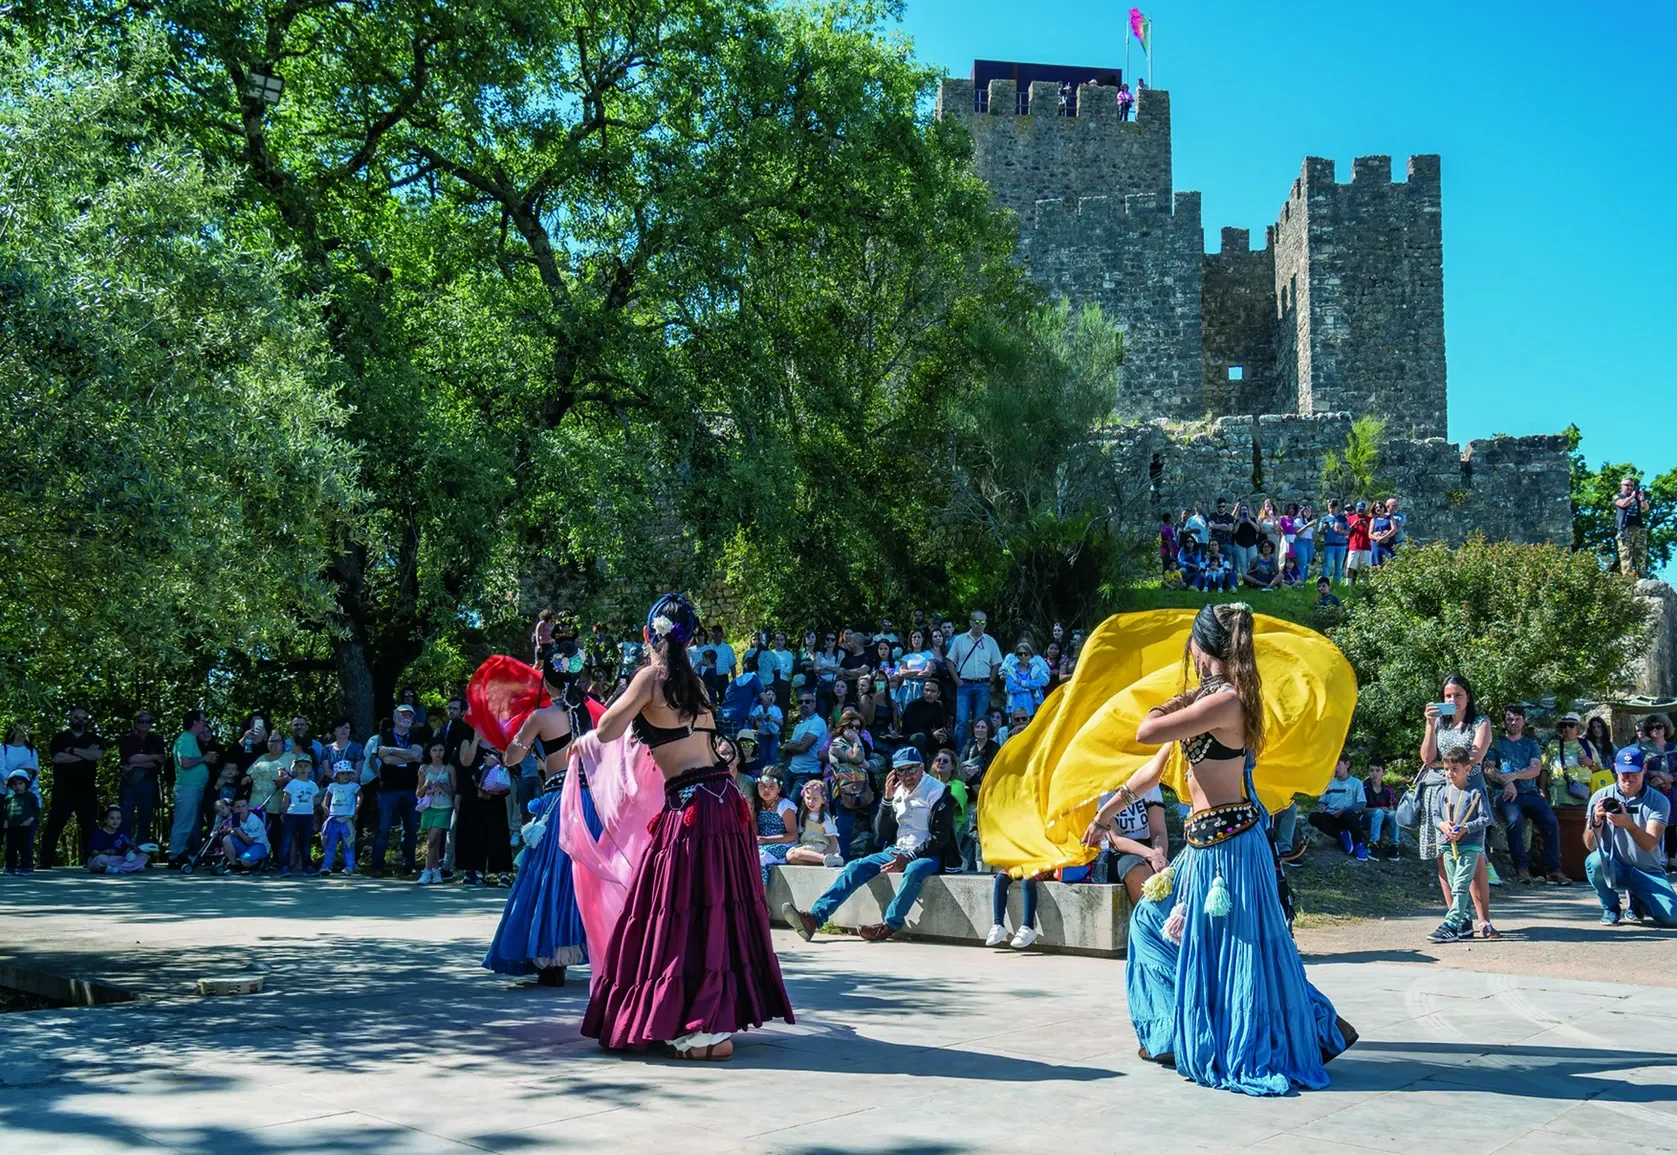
x=1150 y=43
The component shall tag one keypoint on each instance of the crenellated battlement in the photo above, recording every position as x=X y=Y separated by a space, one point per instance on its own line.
x=1055 y=211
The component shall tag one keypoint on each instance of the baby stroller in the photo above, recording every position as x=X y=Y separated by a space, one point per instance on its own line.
x=209 y=852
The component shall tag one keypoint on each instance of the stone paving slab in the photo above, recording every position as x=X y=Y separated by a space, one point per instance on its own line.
x=379 y=1033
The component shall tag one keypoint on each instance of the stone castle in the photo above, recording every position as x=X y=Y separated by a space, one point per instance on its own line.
x=1245 y=367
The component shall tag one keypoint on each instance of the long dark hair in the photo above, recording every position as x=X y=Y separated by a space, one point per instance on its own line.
x=684 y=690
x=1225 y=632
x=1472 y=711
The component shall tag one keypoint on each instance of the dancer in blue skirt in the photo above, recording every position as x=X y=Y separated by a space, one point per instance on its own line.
x=541 y=931
x=1214 y=983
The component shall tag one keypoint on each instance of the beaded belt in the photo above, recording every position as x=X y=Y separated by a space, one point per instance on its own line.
x=1219 y=824
x=679 y=791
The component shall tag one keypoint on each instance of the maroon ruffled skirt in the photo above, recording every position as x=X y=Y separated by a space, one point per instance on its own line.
x=692 y=950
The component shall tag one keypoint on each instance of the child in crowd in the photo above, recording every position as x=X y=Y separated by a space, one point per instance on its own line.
x=1381 y=801
x=244 y=836
x=436 y=794
x=1290 y=575
x=339 y=831
x=777 y=823
x=110 y=851
x=817 y=830
x=1339 y=811
x=297 y=828
x=1325 y=598
x=1460 y=814
x=23 y=811
x=227 y=783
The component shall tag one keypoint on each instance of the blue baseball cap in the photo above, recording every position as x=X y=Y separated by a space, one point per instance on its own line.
x=907 y=756
x=1629 y=761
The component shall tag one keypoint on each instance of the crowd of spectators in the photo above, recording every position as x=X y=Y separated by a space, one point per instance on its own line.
x=1233 y=547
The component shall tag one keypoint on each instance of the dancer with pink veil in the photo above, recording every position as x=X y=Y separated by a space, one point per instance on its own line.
x=688 y=961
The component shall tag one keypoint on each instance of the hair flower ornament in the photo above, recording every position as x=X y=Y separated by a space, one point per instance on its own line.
x=662 y=626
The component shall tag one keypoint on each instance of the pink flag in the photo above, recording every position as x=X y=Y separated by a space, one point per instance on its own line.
x=1136 y=23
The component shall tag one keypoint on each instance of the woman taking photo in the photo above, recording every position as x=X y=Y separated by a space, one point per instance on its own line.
x=690 y=961
x=1214 y=983
x=1453 y=722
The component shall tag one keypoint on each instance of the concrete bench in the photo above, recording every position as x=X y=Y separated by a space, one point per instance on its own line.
x=1073 y=918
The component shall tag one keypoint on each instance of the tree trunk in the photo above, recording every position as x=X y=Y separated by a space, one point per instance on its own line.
x=356 y=692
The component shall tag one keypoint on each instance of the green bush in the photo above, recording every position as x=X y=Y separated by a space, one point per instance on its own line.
x=1522 y=622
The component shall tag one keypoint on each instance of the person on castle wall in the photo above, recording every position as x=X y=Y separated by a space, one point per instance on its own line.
x=1126 y=101
x=1631 y=513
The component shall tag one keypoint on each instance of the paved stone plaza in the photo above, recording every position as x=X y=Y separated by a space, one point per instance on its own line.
x=379 y=1034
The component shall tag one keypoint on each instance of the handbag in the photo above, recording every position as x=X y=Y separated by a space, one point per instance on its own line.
x=1408 y=810
x=496 y=781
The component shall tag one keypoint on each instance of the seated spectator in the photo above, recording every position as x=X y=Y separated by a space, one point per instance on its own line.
x=1602 y=746
x=976 y=758
x=1326 y=600
x=748 y=761
x=1190 y=559
x=1626 y=827
x=809 y=735
x=244 y=845
x=1218 y=574
x=777 y=823
x=1659 y=761
x=1381 y=831
x=1262 y=574
x=849 y=749
x=1134 y=845
x=1016 y=723
x=22 y=814
x=113 y=852
x=1290 y=575
x=1339 y=811
x=926 y=722
x=818 y=843
x=943 y=769
x=918 y=824
x=1027 y=934
x=1512 y=771
x=1571 y=761
x=1026 y=678
x=852 y=791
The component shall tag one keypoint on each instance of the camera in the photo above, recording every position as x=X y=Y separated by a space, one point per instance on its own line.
x=1612 y=806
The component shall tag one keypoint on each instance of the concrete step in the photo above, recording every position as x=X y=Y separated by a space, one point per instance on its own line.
x=1080 y=918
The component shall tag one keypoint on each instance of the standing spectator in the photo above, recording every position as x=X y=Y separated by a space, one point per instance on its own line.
x=1600 y=740
x=400 y=749
x=1053 y=657
x=1334 y=530
x=192 y=779
x=342 y=748
x=727 y=665
x=926 y=723
x=408 y=697
x=784 y=660
x=482 y=827
x=829 y=659
x=22 y=814
x=19 y=754
x=1193 y=525
x=1381 y=801
x=1244 y=538
x=437 y=787
x=1126 y=100
x=296 y=851
x=600 y=654
x=1217 y=573
x=1515 y=764
x=338 y=833
x=1167 y=543
x=1457 y=815
x=458 y=738
x=1269 y=528
x=1360 y=547
x=919 y=824
x=1458 y=725
x=140 y=754
x=1382 y=534
x=975 y=659
x=1304 y=538
x=263 y=785
x=767 y=721
x=1631 y=514
x=301 y=741
x=1026 y=678
x=1221 y=525
x=1627 y=824
x=804 y=746
x=75 y=758
x=1339 y=811
x=1400 y=523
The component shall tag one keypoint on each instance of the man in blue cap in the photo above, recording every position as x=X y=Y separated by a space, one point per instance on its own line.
x=917 y=829
x=1624 y=834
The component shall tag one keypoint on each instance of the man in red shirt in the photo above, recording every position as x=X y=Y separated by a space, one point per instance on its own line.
x=1358 y=558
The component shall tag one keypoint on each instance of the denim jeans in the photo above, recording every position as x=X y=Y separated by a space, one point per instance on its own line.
x=972 y=700
x=391 y=805
x=1650 y=893
x=1304 y=549
x=296 y=839
x=1285 y=821
x=1333 y=562
x=138 y=798
x=856 y=875
x=998 y=900
x=1513 y=814
x=1240 y=557
x=848 y=822
x=1381 y=821
x=338 y=836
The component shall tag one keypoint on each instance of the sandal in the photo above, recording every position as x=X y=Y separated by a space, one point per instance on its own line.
x=714 y=1053
x=1486 y=930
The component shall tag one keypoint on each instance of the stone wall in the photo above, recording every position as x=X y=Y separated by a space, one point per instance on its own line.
x=1238 y=317
x=1140 y=258
x=1510 y=488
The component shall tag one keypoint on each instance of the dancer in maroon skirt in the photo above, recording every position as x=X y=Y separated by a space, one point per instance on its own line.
x=691 y=960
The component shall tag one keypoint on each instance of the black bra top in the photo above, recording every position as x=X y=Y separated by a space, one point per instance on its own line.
x=654 y=736
x=1202 y=746
x=558 y=743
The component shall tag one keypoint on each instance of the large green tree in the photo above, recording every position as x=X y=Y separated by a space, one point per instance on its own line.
x=172 y=467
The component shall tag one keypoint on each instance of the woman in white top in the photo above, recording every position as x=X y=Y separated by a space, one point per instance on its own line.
x=19 y=754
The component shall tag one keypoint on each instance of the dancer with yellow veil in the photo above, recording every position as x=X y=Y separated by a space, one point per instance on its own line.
x=1214 y=983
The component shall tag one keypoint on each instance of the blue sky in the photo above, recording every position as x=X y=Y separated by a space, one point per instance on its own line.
x=1559 y=151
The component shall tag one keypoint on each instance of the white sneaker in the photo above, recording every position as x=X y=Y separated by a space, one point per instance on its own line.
x=1026 y=936
x=834 y=861
x=997 y=935
x=426 y=878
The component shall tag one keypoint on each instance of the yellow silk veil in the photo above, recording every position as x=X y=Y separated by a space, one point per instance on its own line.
x=1040 y=793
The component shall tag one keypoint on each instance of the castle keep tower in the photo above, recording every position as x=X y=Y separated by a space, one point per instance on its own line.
x=1342 y=311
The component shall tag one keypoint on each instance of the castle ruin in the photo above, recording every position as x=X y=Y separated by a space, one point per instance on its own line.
x=1244 y=367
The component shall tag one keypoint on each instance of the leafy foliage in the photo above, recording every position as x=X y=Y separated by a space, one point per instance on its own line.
x=1522 y=622
x=1594 y=516
x=1354 y=472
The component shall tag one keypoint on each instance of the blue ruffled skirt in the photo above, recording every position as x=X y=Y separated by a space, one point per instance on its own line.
x=1231 y=1002
x=541 y=926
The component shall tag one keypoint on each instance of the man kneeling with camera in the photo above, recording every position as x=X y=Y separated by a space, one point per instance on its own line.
x=1626 y=828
